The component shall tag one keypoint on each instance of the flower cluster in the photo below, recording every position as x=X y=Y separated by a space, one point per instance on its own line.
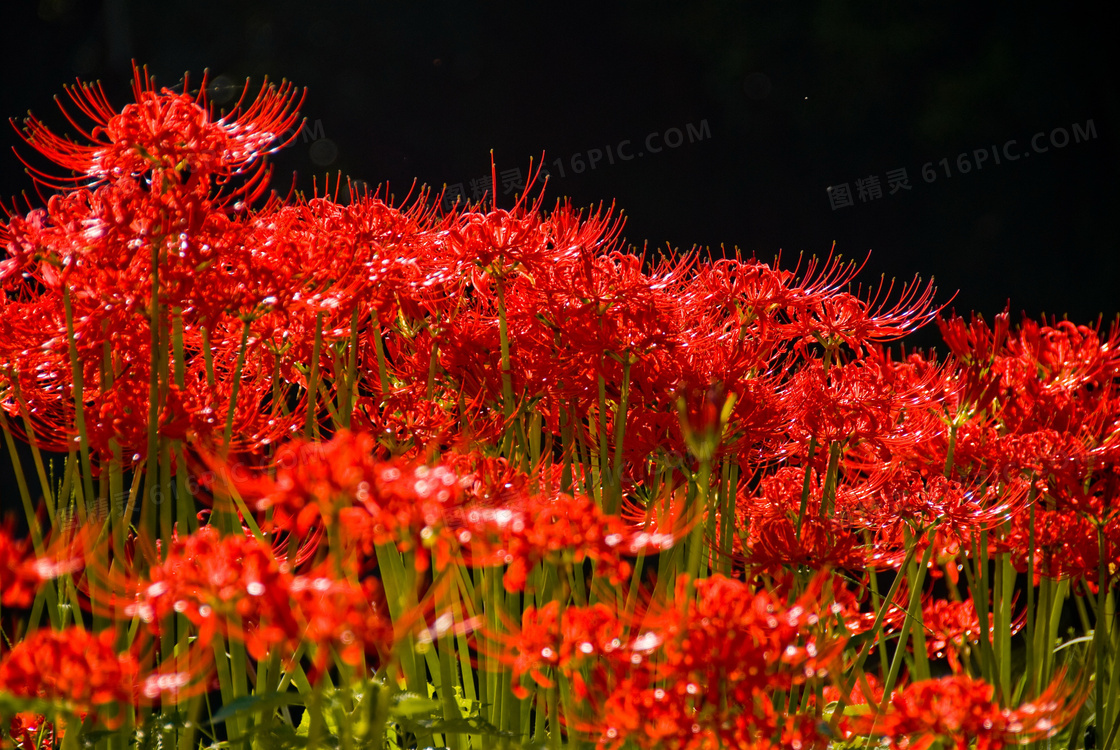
x=353 y=450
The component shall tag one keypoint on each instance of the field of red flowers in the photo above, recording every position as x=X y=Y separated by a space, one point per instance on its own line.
x=343 y=473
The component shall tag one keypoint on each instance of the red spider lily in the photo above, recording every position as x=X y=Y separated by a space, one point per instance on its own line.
x=1067 y=544
x=975 y=342
x=775 y=545
x=150 y=179
x=774 y=534
x=22 y=571
x=952 y=626
x=470 y=354
x=521 y=519
x=18 y=581
x=606 y=309
x=704 y=418
x=910 y=504
x=352 y=620
x=399 y=502
x=83 y=672
x=557 y=527
x=235 y=587
x=500 y=242
x=841 y=317
x=32 y=731
x=720 y=664
x=225 y=585
x=960 y=710
x=79 y=669
x=749 y=295
x=165 y=134
x=554 y=638
x=1061 y=377
x=861 y=402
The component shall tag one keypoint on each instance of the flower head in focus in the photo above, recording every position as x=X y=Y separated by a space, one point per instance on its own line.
x=163 y=135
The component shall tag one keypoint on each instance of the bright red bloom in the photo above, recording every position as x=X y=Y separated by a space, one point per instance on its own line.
x=379 y=502
x=721 y=664
x=31 y=731
x=18 y=583
x=79 y=669
x=164 y=133
x=692 y=679
x=841 y=317
x=225 y=585
x=557 y=527
x=236 y=587
x=961 y=710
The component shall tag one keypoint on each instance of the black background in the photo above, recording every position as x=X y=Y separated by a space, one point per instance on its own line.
x=796 y=98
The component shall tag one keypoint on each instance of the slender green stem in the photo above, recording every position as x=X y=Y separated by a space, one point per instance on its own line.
x=79 y=399
x=236 y=383
x=1100 y=635
x=806 y=484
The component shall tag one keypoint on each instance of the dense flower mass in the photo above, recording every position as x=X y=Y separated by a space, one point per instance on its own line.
x=80 y=669
x=962 y=711
x=344 y=454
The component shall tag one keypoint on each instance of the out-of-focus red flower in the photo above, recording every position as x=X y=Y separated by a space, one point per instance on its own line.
x=31 y=731
x=962 y=710
x=79 y=669
x=402 y=502
x=18 y=582
x=558 y=527
x=733 y=649
x=22 y=572
x=553 y=638
x=225 y=585
x=339 y=615
x=234 y=586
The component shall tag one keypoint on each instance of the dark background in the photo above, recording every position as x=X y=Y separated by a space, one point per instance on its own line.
x=795 y=98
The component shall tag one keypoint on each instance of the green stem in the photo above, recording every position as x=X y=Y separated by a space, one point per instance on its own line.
x=805 y=486
x=236 y=385
x=696 y=541
x=1100 y=635
x=79 y=399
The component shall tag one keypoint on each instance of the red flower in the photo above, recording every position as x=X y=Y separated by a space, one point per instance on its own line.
x=168 y=135
x=31 y=731
x=841 y=317
x=18 y=582
x=561 y=528
x=227 y=585
x=952 y=626
x=961 y=709
x=79 y=669
x=236 y=587
x=400 y=502
x=720 y=666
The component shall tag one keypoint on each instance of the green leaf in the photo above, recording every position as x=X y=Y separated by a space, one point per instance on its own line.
x=266 y=701
x=411 y=704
